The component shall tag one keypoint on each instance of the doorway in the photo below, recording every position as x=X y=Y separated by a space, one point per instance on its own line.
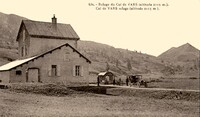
x=33 y=75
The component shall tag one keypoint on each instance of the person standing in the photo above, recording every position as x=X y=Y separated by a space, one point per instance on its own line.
x=114 y=82
x=98 y=81
x=127 y=81
x=120 y=81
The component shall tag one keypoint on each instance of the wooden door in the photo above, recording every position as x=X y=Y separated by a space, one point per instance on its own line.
x=33 y=75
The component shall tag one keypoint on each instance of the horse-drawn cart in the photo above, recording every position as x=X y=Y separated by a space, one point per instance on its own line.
x=136 y=80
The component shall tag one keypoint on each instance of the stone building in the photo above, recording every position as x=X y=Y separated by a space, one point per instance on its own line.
x=47 y=54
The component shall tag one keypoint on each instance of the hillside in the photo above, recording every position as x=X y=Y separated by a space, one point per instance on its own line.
x=9 y=25
x=118 y=59
x=121 y=61
x=183 y=58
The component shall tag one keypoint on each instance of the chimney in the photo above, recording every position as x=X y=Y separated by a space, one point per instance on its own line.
x=54 y=21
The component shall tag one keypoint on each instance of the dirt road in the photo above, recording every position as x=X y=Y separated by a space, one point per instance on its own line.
x=20 y=105
x=141 y=88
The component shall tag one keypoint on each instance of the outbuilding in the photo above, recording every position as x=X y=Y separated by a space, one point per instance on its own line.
x=106 y=77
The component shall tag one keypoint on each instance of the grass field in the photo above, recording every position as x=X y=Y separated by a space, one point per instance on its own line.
x=173 y=83
x=176 y=83
x=22 y=101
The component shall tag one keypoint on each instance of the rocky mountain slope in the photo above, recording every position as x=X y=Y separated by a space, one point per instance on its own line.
x=182 y=53
x=183 y=59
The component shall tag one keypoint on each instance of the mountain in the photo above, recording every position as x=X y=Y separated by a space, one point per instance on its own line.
x=183 y=53
x=184 y=59
x=120 y=61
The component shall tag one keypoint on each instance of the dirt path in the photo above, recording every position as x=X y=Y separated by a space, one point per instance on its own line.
x=141 y=88
x=20 y=105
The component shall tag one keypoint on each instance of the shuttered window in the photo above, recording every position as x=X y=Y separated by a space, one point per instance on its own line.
x=78 y=70
x=54 y=70
x=22 y=52
x=26 y=53
x=81 y=71
x=58 y=70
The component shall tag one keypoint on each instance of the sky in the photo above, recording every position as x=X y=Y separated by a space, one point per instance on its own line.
x=151 y=32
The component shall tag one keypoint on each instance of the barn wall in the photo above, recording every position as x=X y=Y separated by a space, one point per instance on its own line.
x=39 y=45
x=5 y=76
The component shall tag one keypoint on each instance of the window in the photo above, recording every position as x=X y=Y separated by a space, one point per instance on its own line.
x=54 y=70
x=22 y=52
x=77 y=70
x=18 y=72
x=26 y=51
x=23 y=48
x=24 y=34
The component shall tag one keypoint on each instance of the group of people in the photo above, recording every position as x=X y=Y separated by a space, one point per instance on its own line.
x=115 y=82
x=120 y=82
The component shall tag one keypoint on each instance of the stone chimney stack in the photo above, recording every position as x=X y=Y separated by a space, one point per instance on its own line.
x=54 y=21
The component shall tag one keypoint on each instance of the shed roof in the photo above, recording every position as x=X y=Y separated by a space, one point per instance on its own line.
x=104 y=73
x=48 y=30
x=17 y=63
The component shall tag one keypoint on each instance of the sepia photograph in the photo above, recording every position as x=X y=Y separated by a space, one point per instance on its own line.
x=98 y=58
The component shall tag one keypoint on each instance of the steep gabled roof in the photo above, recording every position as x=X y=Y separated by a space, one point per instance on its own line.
x=48 y=30
x=17 y=63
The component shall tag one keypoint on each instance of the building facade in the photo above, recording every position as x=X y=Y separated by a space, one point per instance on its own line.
x=47 y=54
x=36 y=37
